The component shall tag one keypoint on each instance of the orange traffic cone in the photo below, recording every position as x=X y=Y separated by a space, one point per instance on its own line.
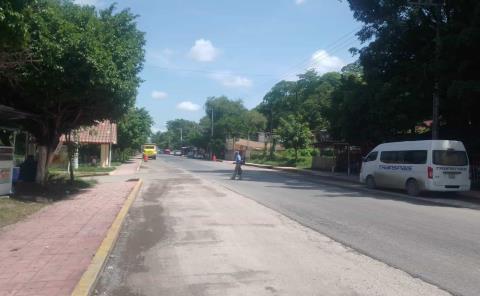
x=145 y=157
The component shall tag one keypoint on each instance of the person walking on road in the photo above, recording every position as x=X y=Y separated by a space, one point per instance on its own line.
x=238 y=166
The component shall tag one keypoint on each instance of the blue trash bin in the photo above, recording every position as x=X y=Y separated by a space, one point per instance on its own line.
x=15 y=174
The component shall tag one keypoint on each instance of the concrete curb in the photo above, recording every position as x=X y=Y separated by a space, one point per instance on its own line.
x=139 y=164
x=90 y=276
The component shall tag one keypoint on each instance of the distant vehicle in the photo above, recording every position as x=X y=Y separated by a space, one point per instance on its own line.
x=166 y=151
x=150 y=150
x=177 y=153
x=433 y=165
x=199 y=156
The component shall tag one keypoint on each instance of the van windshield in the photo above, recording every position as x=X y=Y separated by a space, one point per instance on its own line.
x=450 y=158
x=149 y=147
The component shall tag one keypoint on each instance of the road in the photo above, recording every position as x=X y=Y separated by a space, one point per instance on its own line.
x=437 y=243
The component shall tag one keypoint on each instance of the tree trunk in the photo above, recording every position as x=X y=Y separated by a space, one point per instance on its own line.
x=42 y=161
x=296 y=155
x=71 y=155
x=272 y=149
x=45 y=158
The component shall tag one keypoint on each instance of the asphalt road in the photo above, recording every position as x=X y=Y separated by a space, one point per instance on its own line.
x=435 y=242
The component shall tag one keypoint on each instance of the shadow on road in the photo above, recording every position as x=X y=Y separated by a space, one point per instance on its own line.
x=338 y=189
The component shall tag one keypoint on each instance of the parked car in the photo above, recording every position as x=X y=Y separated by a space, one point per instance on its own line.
x=166 y=151
x=433 y=165
x=177 y=153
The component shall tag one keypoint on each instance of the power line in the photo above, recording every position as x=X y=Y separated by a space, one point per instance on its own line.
x=331 y=48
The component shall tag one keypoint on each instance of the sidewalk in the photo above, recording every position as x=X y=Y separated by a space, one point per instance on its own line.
x=340 y=176
x=128 y=168
x=48 y=253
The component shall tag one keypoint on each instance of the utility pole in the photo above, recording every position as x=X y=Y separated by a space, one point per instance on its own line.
x=212 y=123
x=437 y=5
x=181 y=137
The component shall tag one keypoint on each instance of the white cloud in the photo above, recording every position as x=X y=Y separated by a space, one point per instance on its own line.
x=188 y=106
x=230 y=80
x=159 y=95
x=160 y=58
x=203 y=51
x=299 y=2
x=322 y=62
x=87 y=2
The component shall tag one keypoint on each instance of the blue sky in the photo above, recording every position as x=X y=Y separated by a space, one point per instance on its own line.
x=196 y=49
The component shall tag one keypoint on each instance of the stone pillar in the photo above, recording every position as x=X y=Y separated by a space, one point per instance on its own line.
x=104 y=155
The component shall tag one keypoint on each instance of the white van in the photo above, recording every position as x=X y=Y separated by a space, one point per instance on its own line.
x=434 y=165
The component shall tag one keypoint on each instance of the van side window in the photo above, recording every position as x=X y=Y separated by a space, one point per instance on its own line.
x=372 y=156
x=450 y=157
x=416 y=157
x=389 y=156
x=404 y=157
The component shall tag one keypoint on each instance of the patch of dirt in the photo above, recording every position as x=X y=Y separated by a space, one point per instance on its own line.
x=12 y=211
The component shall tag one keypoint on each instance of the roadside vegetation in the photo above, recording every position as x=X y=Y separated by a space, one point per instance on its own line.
x=84 y=170
x=12 y=210
x=285 y=158
x=65 y=66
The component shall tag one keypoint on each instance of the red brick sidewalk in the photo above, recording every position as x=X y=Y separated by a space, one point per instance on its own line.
x=48 y=253
x=128 y=168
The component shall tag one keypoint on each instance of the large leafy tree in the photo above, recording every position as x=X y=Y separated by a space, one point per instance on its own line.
x=13 y=36
x=400 y=65
x=88 y=70
x=227 y=116
x=304 y=99
x=182 y=132
x=253 y=122
x=279 y=102
x=294 y=134
x=134 y=129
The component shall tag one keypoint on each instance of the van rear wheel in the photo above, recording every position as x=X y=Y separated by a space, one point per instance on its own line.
x=412 y=187
x=371 y=182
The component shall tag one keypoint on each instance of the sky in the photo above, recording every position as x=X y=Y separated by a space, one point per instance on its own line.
x=196 y=49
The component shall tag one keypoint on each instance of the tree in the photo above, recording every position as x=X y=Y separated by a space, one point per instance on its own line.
x=182 y=132
x=134 y=129
x=227 y=116
x=278 y=103
x=89 y=69
x=254 y=122
x=160 y=139
x=14 y=52
x=400 y=67
x=294 y=134
x=304 y=98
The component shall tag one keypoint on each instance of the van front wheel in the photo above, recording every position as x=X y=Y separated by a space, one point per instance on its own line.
x=371 y=182
x=412 y=187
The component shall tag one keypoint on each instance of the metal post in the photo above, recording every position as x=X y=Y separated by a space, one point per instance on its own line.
x=437 y=4
x=212 y=124
x=27 y=143
x=436 y=88
x=348 y=159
